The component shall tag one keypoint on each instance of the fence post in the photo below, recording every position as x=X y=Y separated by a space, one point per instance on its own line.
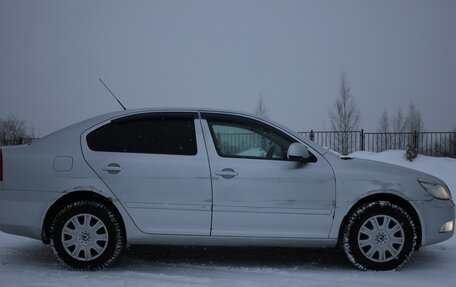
x=312 y=135
x=361 y=139
x=415 y=140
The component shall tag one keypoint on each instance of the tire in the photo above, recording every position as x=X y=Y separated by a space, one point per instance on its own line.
x=87 y=235
x=379 y=236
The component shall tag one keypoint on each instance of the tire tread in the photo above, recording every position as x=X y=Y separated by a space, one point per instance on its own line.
x=356 y=215
x=113 y=219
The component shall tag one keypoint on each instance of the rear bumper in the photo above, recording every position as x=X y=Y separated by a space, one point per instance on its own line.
x=22 y=212
x=433 y=214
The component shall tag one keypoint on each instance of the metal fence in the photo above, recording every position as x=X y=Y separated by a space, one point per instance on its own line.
x=238 y=142
x=18 y=141
x=442 y=144
x=343 y=142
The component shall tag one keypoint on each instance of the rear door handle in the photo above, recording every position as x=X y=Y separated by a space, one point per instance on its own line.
x=112 y=168
x=227 y=173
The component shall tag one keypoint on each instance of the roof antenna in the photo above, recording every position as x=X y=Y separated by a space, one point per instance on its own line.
x=112 y=94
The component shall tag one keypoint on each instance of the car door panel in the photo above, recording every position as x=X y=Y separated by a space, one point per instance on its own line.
x=163 y=193
x=270 y=198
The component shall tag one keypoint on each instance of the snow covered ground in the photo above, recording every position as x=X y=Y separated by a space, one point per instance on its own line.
x=26 y=262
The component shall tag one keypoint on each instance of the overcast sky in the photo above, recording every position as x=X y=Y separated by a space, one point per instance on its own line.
x=223 y=54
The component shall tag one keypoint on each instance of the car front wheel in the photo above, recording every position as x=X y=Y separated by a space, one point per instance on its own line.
x=379 y=236
x=87 y=235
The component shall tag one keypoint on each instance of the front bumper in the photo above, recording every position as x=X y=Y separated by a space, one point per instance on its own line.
x=433 y=214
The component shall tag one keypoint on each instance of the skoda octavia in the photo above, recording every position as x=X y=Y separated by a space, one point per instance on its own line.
x=208 y=177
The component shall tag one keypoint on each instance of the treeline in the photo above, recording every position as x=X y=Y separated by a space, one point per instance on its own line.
x=12 y=128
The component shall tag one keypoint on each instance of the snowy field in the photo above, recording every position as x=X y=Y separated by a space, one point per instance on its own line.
x=26 y=262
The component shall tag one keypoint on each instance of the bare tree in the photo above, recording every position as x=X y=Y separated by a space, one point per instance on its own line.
x=260 y=109
x=383 y=123
x=14 y=129
x=398 y=126
x=413 y=121
x=384 y=129
x=344 y=116
x=398 y=122
x=406 y=126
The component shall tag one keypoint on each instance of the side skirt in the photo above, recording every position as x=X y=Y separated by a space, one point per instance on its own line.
x=186 y=240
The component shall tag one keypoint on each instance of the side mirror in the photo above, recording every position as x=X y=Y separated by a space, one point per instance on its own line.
x=298 y=152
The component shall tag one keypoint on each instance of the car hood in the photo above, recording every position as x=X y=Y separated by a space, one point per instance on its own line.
x=396 y=169
x=368 y=176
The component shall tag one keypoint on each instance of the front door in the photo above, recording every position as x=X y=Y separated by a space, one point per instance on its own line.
x=256 y=190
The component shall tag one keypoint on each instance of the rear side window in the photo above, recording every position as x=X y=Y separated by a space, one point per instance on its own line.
x=146 y=134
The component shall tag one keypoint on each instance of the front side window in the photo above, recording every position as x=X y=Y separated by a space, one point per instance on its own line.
x=152 y=134
x=245 y=138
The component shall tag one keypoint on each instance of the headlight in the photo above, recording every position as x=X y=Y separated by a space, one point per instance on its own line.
x=436 y=190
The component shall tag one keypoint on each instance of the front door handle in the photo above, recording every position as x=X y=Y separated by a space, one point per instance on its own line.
x=112 y=168
x=227 y=173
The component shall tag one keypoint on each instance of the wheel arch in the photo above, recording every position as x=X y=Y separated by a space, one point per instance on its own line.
x=72 y=197
x=393 y=198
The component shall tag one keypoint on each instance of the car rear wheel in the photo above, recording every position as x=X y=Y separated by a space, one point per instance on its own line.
x=379 y=236
x=87 y=235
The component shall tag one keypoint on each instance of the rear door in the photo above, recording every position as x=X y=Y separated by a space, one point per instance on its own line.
x=156 y=164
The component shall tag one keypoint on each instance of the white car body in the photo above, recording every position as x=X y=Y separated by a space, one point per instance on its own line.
x=205 y=198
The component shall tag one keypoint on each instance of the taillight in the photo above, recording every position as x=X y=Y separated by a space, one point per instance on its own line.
x=1 y=166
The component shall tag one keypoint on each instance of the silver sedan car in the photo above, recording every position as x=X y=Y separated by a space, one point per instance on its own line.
x=209 y=177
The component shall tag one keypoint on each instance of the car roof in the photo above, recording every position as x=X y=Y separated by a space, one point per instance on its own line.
x=178 y=109
x=94 y=121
